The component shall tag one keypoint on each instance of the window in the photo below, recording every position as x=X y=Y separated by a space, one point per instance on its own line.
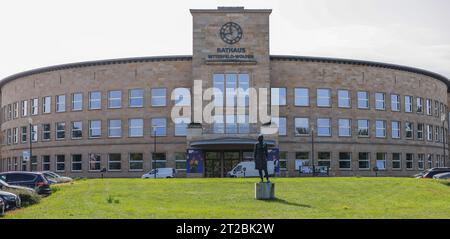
x=34 y=133
x=136 y=98
x=46 y=132
x=409 y=161
x=159 y=160
x=283 y=160
x=34 y=106
x=304 y=158
x=364 y=160
x=158 y=127
x=420 y=131
x=395 y=102
x=45 y=162
x=436 y=108
x=363 y=128
x=94 y=162
x=323 y=97
x=60 y=103
x=345 y=160
x=436 y=133
x=60 y=130
x=95 y=128
x=396 y=161
x=281 y=124
x=24 y=131
x=302 y=126
x=46 y=104
x=429 y=132
x=430 y=160
x=380 y=99
x=77 y=163
x=182 y=96
x=77 y=101
x=408 y=104
x=344 y=99
x=114 y=128
x=135 y=127
x=95 y=100
x=420 y=161
x=114 y=162
x=278 y=96
x=15 y=135
x=9 y=136
x=381 y=161
x=181 y=126
x=324 y=159
x=323 y=127
x=34 y=163
x=345 y=128
x=395 y=129
x=60 y=163
x=114 y=99
x=380 y=131
x=24 y=108
x=158 y=97
x=409 y=130
x=301 y=97
x=230 y=83
x=419 y=105
x=180 y=161
x=363 y=99
x=16 y=110
x=136 y=162
x=10 y=112
x=77 y=130
x=429 y=107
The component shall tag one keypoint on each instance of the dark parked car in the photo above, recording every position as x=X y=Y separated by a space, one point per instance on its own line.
x=2 y=207
x=5 y=186
x=11 y=200
x=431 y=172
x=34 y=180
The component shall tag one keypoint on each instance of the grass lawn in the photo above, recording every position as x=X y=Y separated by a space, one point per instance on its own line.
x=234 y=198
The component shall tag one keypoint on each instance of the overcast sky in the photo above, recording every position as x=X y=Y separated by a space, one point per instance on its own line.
x=49 y=32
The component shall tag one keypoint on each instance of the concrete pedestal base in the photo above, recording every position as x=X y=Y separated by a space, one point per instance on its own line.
x=264 y=191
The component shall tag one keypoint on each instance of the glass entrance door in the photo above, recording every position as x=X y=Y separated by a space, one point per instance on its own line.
x=213 y=164
x=230 y=160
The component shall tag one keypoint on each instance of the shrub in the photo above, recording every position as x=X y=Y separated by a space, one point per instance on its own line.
x=26 y=197
x=55 y=189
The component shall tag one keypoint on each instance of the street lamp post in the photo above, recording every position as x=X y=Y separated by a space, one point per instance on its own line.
x=154 y=152
x=312 y=152
x=30 y=124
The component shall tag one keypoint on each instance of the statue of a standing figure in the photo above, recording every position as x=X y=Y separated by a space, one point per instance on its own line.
x=260 y=154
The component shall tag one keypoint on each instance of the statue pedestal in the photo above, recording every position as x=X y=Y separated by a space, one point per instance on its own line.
x=264 y=191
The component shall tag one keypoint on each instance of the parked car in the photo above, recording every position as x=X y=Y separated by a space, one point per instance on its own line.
x=161 y=173
x=5 y=186
x=442 y=176
x=247 y=168
x=431 y=172
x=11 y=200
x=34 y=180
x=54 y=177
x=2 y=207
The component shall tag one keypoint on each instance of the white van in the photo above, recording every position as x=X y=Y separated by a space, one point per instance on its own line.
x=161 y=173
x=247 y=169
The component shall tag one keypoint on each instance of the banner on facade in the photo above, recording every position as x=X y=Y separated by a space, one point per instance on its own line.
x=194 y=161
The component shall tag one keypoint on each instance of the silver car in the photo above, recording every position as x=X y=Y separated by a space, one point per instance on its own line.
x=442 y=176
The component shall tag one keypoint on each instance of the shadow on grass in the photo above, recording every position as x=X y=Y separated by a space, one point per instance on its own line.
x=282 y=201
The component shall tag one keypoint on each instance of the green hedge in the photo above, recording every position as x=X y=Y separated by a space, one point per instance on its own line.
x=26 y=197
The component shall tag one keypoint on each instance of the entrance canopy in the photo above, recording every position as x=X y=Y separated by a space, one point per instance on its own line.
x=228 y=143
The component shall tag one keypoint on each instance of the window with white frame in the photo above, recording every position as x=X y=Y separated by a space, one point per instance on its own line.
x=77 y=101
x=60 y=130
x=395 y=102
x=345 y=160
x=9 y=136
x=304 y=158
x=225 y=86
x=436 y=133
x=323 y=127
x=429 y=132
x=420 y=128
x=396 y=161
x=429 y=107
x=408 y=104
x=95 y=129
x=430 y=160
x=381 y=161
x=409 y=130
x=280 y=122
x=24 y=132
x=114 y=128
x=420 y=161
x=114 y=162
x=158 y=127
x=345 y=127
x=95 y=100
x=34 y=133
x=302 y=127
x=283 y=160
x=344 y=99
x=16 y=110
x=33 y=161
x=363 y=128
x=60 y=163
x=60 y=103
x=114 y=99
x=324 y=159
x=158 y=97
x=16 y=135
x=136 y=98
x=159 y=160
x=34 y=106
x=380 y=101
x=136 y=127
x=46 y=105
x=94 y=162
x=77 y=130
x=182 y=96
x=278 y=96
x=45 y=162
x=363 y=100
x=395 y=129
x=46 y=132
x=24 y=108
x=180 y=161
x=323 y=97
x=136 y=162
x=181 y=126
x=77 y=163
x=436 y=108
x=409 y=160
x=419 y=105
x=364 y=160
x=380 y=131
x=301 y=97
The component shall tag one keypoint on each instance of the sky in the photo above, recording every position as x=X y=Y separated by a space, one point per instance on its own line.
x=49 y=32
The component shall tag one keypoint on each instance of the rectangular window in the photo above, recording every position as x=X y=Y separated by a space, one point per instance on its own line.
x=380 y=130
x=60 y=163
x=77 y=130
x=136 y=162
x=46 y=132
x=9 y=112
x=95 y=100
x=380 y=101
x=77 y=101
x=94 y=162
x=47 y=104
x=395 y=103
x=364 y=160
x=225 y=86
x=16 y=135
x=136 y=98
x=24 y=130
x=436 y=108
x=436 y=134
x=180 y=161
x=323 y=97
x=420 y=131
x=219 y=89
x=395 y=129
x=281 y=124
x=9 y=136
x=420 y=161
x=45 y=162
x=24 y=108
x=243 y=124
x=114 y=128
x=381 y=161
x=363 y=99
x=278 y=96
x=324 y=159
x=114 y=99
x=77 y=163
x=34 y=163
x=345 y=127
x=158 y=97
x=181 y=126
x=158 y=127
x=409 y=130
x=95 y=129
x=363 y=128
x=135 y=127
x=323 y=127
x=396 y=161
x=114 y=162
x=159 y=160
x=345 y=160
x=283 y=160
x=34 y=106
x=419 y=105
x=60 y=130
x=344 y=99
x=429 y=132
x=430 y=160
x=409 y=161
x=429 y=107
x=302 y=126
x=34 y=133
x=301 y=96
x=408 y=104
x=16 y=110
x=60 y=103
x=183 y=96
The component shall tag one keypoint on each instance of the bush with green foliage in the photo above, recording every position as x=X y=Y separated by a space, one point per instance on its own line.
x=26 y=197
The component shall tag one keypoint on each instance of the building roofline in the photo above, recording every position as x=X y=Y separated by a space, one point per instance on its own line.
x=231 y=10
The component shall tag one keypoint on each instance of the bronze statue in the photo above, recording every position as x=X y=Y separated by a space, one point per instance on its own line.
x=260 y=154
